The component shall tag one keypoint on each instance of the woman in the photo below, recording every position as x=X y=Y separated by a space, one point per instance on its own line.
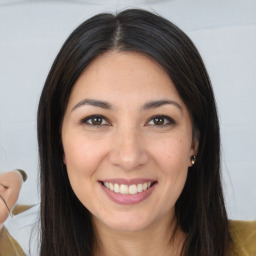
x=129 y=144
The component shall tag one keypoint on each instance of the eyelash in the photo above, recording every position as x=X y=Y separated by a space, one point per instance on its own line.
x=166 y=121
x=90 y=118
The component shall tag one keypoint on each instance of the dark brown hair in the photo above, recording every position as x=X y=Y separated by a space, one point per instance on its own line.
x=200 y=210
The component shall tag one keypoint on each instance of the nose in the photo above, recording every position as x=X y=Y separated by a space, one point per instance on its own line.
x=128 y=150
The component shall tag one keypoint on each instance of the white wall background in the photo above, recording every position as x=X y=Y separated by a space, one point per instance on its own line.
x=32 y=32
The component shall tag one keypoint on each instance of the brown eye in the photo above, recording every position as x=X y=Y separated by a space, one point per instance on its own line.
x=95 y=120
x=158 y=121
x=161 y=120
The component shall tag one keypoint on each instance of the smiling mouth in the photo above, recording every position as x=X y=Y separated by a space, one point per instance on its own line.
x=125 y=189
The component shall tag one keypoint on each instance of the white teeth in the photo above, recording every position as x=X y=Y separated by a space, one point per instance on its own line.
x=106 y=184
x=140 y=187
x=116 y=188
x=125 y=189
x=111 y=186
x=133 y=189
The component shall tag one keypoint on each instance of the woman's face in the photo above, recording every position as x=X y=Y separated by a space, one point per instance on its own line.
x=127 y=139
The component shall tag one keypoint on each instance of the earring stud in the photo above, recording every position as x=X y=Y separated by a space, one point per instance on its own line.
x=193 y=160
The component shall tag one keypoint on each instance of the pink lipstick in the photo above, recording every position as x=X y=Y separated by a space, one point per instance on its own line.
x=128 y=192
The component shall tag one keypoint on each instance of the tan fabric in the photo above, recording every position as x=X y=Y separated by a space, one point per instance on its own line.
x=243 y=234
x=21 y=208
x=8 y=245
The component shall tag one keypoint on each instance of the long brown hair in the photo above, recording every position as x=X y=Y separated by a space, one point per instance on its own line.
x=200 y=210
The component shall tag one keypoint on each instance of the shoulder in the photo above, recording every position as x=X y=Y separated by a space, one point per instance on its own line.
x=243 y=235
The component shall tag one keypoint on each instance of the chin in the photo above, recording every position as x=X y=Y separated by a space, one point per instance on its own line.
x=127 y=223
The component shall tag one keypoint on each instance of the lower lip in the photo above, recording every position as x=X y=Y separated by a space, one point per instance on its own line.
x=128 y=199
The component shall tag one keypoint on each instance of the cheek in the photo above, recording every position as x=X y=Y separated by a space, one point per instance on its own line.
x=173 y=154
x=172 y=159
x=82 y=161
x=82 y=157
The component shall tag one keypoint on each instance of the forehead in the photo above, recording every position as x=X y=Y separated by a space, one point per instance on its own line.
x=115 y=76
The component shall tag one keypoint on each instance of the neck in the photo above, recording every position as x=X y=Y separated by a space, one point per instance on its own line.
x=161 y=238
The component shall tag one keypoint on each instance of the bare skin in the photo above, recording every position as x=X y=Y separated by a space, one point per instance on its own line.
x=10 y=185
x=140 y=243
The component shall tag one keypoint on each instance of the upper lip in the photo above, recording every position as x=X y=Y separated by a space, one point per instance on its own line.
x=128 y=181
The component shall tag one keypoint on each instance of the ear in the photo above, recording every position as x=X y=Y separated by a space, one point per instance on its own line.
x=194 y=148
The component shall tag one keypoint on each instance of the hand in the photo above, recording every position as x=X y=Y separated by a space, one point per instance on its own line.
x=10 y=185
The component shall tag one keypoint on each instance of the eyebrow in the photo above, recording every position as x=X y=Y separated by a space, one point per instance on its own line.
x=159 y=103
x=146 y=106
x=92 y=102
